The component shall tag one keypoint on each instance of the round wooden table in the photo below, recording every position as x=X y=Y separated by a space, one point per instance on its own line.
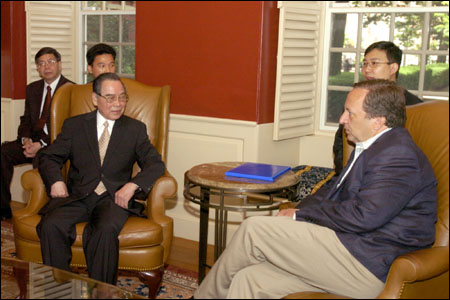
x=233 y=194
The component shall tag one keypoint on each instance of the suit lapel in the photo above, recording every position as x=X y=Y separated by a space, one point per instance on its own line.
x=335 y=188
x=38 y=93
x=90 y=129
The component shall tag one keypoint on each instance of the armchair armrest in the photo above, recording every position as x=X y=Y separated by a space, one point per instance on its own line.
x=31 y=181
x=165 y=188
x=416 y=266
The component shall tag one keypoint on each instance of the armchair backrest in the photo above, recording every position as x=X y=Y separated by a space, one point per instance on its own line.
x=146 y=103
x=429 y=127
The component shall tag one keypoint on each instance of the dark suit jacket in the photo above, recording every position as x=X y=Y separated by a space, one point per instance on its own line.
x=385 y=207
x=30 y=118
x=78 y=142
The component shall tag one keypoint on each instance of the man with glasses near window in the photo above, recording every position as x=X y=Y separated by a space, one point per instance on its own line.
x=34 y=128
x=382 y=60
x=102 y=146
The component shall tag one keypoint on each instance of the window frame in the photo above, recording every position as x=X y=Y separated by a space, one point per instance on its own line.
x=423 y=53
x=83 y=13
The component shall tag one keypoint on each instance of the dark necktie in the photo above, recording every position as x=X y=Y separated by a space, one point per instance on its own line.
x=46 y=109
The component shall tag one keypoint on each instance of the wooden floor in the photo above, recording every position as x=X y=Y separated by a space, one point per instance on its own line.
x=184 y=253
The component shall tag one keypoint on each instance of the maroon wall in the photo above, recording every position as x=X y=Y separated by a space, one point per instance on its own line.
x=218 y=57
x=13 y=46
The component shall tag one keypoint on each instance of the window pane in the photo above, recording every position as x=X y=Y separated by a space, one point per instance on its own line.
x=336 y=101
x=346 y=74
x=345 y=30
x=440 y=3
x=378 y=3
x=436 y=74
x=127 y=59
x=438 y=31
x=346 y=4
x=130 y=5
x=410 y=3
x=375 y=28
x=92 y=28
x=111 y=28
x=94 y=5
x=113 y=5
x=408 y=31
x=129 y=28
x=409 y=72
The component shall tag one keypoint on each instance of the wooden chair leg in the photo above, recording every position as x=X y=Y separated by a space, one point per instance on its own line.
x=153 y=280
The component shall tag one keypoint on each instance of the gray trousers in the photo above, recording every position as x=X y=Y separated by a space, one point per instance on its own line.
x=271 y=257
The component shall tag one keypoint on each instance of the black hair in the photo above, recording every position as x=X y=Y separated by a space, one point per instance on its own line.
x=99 y=49
x=393 y=53
x=47 y=50
x=97 y=84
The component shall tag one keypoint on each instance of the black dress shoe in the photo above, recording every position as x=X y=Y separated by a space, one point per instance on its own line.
x=6 y=214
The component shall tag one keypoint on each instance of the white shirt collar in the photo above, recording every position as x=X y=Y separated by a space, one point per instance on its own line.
x=367 y=143
x=100 y=121
x=52 y=85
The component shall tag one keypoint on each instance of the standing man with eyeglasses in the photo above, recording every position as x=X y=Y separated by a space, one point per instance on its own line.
x=34 y=128
x=382 y=60
x=102 y=147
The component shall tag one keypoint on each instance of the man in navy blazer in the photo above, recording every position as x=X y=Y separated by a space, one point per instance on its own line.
x=31 y=136
x=344 y=238
x=99 y=189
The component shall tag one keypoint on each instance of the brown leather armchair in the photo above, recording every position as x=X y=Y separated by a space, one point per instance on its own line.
x=144 y=243
x=423 y=273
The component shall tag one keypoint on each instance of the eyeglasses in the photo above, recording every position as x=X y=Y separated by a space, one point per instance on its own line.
x=374 y=64
x=123 y=98
x=43 y=63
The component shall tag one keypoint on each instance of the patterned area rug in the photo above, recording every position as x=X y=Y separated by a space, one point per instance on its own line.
x=177 y=283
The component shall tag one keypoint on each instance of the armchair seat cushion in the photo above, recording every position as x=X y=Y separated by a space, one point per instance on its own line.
x=137 y=232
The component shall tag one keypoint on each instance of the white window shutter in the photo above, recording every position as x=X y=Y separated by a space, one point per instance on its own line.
x=51 y=24
x=297 y=60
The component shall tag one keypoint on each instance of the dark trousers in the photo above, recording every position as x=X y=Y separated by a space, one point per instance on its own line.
x=100 y=236
x=12 y=155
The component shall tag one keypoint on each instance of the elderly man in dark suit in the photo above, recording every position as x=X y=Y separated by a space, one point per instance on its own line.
x=102 y=147
x=34 y=128
x=344 y=238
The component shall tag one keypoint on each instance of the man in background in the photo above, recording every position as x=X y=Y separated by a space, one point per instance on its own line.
x=382 y=60
x=101 y=59
x=34 y=128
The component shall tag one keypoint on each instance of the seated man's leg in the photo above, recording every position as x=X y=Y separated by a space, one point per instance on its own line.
x=100 y=239
x=12 y=155
x=308 y=251
x=57 y=232
x=266 y=281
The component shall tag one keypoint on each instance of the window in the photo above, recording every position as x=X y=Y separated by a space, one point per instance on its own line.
x=419 y=28
x=112 y=23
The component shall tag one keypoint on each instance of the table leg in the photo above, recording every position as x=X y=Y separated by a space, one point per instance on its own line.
x=203 y=239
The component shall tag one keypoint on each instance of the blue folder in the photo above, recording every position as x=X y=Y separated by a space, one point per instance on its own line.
x=258 y=171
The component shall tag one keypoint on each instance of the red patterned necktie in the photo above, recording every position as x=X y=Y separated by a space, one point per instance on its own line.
x=46 y=109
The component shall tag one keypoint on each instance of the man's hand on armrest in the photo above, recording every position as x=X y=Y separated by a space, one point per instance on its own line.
x=59 y=190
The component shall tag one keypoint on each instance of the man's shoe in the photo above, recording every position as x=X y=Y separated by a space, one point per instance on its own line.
x=6 y=214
